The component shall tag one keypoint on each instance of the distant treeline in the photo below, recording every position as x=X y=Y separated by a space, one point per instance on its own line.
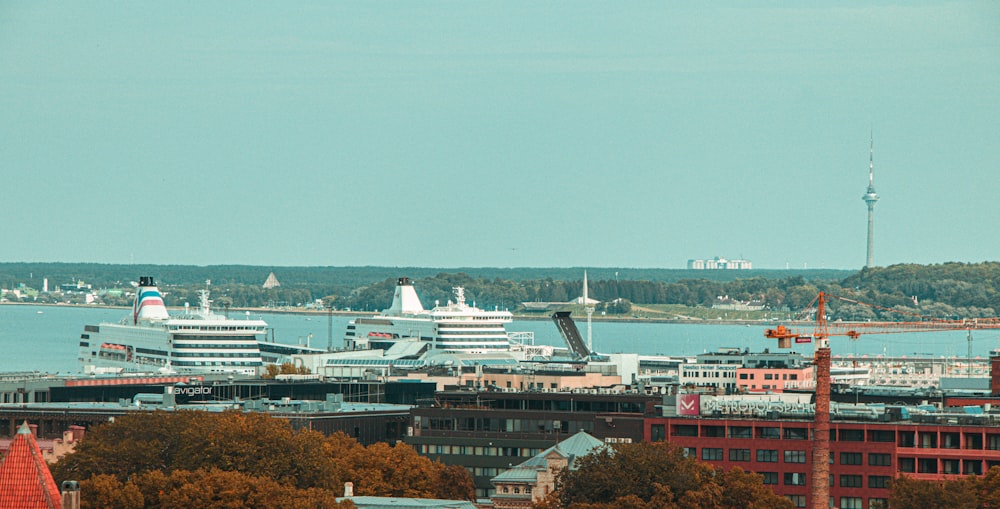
x=940 y=290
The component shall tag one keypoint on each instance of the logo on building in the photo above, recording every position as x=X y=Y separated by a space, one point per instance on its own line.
x=689 y=404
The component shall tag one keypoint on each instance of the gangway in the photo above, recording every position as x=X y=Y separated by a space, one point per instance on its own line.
x=567 y=328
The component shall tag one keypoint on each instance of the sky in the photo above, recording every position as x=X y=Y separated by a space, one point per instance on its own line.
x=498 y=134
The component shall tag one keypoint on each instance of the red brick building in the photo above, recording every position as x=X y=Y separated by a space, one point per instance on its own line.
x=864 y=455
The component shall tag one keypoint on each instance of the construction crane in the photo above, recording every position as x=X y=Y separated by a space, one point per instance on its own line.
x=820 y=335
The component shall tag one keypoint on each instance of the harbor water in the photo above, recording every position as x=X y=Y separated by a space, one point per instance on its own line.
x=46 y=338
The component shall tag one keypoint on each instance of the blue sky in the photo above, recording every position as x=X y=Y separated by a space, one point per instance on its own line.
x=524 y=134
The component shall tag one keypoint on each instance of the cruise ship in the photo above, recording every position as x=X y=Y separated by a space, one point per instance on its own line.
x=454 y=327
x=150 y=340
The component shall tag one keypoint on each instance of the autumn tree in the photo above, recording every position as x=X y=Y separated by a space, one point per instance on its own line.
x=966 y=492
x=253 y=443
x=201 y=489
x=395 y=471
x=136 y=460
x=648 y=476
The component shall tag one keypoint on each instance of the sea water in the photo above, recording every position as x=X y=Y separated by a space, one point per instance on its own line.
x=46 y=338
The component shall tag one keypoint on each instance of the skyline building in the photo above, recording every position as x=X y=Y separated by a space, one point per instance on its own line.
x=870 y=198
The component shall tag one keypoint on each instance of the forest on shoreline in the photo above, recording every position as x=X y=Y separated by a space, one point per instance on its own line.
x=948 y=290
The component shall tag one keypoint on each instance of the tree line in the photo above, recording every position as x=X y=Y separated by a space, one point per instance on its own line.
x=950 y=290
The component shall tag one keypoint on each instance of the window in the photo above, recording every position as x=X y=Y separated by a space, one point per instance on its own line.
x=798 y=500
x=881 y=435
x=690 y=452
x=795 y=456
x=685 y=430
x=950 y=440
x=743 y=376
x=993 y=442
x=713 y=431
x=908 y=439
x=851 y=481
x=852 y=435
x=850 y=503
x=908 y=465
x=768 y=433
x=950 y=467
x=972 y=467
x=739 y=455
x=795 y=479
x=770 y=477
x=878 y=481
x=927 y=466
x=927 y=439
x=767 y=455
x=740 y=432
x=973 y=441
x=879 y=459
x=850 y=458
x=796 y=434
x=657 y=433
x=878 y=503
x=711 y=454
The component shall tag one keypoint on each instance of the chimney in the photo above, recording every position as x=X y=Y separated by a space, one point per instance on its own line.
x=78 y=432
x=70 y=495
x=34 y=430
x=348 y=489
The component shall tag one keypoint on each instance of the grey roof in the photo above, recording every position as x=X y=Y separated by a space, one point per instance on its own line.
x=406 y=349
x=407 y=503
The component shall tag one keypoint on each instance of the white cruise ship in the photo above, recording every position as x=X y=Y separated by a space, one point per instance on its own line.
x=455 y=327
x=150 y=340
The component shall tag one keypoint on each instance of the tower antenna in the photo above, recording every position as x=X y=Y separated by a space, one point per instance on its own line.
x=870 y=198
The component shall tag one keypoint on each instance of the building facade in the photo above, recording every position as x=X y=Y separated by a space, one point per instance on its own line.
x=864 y=455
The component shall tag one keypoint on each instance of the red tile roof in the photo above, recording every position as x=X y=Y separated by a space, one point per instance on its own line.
x=25 y=480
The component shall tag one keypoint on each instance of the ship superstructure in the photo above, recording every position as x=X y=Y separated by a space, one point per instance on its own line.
x=455 y=326
x=151 y=340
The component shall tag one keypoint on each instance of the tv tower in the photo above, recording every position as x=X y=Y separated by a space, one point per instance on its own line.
x=870 y=198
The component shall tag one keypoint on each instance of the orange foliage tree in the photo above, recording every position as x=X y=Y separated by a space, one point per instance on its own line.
x=657 y=476
x=160 y=459
x=967 y=492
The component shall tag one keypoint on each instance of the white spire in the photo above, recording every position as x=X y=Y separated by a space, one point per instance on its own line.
x=871 y=160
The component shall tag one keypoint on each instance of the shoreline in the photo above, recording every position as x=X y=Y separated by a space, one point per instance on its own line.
x=524 y=317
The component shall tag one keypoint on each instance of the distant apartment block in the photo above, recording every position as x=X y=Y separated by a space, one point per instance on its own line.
x=719 y=263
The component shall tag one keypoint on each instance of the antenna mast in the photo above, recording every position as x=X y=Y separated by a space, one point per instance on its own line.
x=871 y=198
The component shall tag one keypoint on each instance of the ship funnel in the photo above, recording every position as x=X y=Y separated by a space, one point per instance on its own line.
x=148 y=303
x=405 y=300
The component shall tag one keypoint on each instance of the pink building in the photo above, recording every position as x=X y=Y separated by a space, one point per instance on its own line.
x=771 y=379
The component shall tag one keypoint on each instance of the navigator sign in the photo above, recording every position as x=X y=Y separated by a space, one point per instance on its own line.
x=190 y=390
